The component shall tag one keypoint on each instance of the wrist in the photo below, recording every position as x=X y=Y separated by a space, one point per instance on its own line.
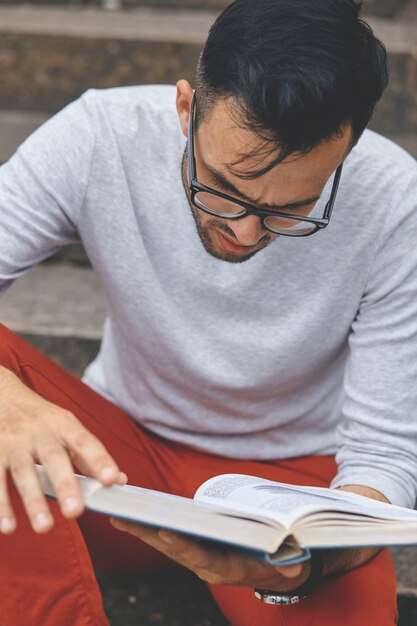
x=362 y=490
x=300 y=592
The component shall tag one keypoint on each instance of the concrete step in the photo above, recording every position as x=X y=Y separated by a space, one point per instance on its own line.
x=60 y=310
x=55 y=301
x=50 y=55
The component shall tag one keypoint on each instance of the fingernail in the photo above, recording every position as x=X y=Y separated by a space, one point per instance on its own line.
x=6 y=525
x=122 y=478
x=41 y=521
x=107 y=473
x=117 y=524
x=70 y=505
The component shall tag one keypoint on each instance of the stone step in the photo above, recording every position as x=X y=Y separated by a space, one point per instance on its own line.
x=60 y=310
x=51 y=54
x=57 y=301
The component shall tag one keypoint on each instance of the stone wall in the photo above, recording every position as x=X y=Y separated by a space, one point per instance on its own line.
x=45 y=72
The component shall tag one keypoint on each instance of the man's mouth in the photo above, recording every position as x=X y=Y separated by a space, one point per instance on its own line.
x=229 y=246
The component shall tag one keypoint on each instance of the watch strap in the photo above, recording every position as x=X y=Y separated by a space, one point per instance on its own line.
x=294 y=596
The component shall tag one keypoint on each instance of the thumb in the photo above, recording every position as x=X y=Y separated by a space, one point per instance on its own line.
x=290 y=571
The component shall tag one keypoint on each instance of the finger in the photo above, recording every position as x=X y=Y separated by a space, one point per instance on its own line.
x=26 y=480
x=60 y=472
x=89 y=454
x=119 y=524
x=290 y=571
x=122 y=479
x=220 y=567
x=209 y=564
x=192 y=551
x=212 y=565
x=147 y=535
x=7 y=518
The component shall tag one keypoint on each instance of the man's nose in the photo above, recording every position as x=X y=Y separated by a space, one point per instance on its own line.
x=248 y=230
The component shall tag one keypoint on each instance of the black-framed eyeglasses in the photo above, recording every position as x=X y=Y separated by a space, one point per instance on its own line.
x=226 y=207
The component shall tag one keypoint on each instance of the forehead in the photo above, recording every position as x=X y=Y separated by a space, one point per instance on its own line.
x=227 y=144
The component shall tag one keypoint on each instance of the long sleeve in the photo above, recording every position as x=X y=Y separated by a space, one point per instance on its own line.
x=377 y=438
x=42 y=189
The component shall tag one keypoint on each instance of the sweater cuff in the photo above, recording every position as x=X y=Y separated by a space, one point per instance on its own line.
x=397 y=494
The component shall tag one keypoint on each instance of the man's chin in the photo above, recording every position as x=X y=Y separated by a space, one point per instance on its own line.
x=227 y=256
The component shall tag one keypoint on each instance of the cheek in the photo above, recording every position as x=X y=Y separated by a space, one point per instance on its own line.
x=203 y=219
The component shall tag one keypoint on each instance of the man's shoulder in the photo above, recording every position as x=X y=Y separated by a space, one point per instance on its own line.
x=376 y=152
x=133 y=109
x=156 y=97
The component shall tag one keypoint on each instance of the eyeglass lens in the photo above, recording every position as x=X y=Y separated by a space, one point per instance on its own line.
x=228 y=209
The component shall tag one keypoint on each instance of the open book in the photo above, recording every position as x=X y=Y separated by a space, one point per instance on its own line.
x=262 y=519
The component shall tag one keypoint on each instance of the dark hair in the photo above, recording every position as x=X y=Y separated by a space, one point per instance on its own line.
x=298 y=70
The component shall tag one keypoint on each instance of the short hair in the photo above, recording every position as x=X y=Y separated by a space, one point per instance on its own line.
x=298 y=70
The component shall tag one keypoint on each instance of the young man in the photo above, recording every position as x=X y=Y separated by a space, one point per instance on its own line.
x=262 y=315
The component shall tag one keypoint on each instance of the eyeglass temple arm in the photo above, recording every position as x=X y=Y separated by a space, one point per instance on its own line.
x=335 y=187
x=191 y=157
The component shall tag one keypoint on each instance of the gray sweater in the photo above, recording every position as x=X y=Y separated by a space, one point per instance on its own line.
x=308 y=348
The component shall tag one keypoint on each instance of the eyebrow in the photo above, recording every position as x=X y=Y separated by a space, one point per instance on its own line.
x=223 y=182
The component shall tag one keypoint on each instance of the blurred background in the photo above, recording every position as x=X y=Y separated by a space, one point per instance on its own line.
x=50 y=53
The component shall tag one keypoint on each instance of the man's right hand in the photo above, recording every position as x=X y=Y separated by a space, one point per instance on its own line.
x=33 y=430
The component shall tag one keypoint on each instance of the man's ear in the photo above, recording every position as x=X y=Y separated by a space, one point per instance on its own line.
x=184 y=98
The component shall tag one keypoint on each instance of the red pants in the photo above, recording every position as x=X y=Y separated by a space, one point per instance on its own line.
x=48 y=580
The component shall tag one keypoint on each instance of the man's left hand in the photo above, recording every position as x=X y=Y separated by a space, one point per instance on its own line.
x=214 y=566
x=219 y=567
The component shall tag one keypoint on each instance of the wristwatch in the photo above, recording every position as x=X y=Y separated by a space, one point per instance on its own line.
x=274 y=597
x=295 y=595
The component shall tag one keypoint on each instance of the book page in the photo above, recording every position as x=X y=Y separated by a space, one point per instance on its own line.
x=251 y=494
x=289 y=503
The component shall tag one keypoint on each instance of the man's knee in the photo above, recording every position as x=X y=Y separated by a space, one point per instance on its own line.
x=363 y=597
